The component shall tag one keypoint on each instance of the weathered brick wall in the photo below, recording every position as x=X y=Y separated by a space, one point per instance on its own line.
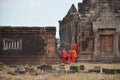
x=38 y=45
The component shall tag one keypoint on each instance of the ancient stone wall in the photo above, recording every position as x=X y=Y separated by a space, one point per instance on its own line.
x=96 y=29
x=68 y=29
x=27 y=45
x=85 y=38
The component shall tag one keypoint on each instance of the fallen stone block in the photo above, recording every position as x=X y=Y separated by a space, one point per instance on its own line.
x=94 y=70
x=82 y=67
x=45 y=67
x=73 y=69
x=20 y=71
x=111 y=71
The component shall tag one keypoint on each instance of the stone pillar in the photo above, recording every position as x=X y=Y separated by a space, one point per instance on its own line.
x=15 y=44
x=4 y=45
x=12 y=44
x=117 y=44
x=9 y=44
x=96 y=44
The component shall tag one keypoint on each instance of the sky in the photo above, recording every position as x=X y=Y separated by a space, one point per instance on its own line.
x=31 y=13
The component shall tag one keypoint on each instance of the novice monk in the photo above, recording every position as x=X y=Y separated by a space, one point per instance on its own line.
x=75 y=46
x=69 y=56
x=64 y=56
x=74 y=55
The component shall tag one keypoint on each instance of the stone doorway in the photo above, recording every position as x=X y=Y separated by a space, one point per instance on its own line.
x=106 y=45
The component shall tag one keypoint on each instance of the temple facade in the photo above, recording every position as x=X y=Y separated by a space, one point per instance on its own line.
x=95 y=26
x=27 y=45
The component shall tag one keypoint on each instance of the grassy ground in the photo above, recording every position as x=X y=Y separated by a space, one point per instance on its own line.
x=71 y=76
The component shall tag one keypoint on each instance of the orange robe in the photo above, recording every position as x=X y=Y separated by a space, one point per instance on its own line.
x=69 y=56
x=75 y=46
x=74 y=55
x=64 y=56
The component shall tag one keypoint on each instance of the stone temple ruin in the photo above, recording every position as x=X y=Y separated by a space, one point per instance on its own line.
x=95 y=26
x=27 y=45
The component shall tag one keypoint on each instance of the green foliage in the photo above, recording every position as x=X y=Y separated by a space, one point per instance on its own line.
x=78 y=68
x=4 y=68
x=20 y=67
x=58 y=41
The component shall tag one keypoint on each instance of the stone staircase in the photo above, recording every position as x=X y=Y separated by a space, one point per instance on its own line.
x=117 y=60
x=84 y=58
x=106 y=60
x=31 y=60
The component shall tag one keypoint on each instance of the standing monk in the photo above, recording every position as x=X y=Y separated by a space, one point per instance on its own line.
x=74 y=55
x=64 y=56
x=75 y=47
x=69 y=56
x=61 y=55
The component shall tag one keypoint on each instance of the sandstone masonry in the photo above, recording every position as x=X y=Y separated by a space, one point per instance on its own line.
x=27 y=45
x=95 y=26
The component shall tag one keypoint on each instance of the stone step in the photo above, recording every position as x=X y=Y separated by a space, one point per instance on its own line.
x=117 y=60
x=106 y=60
x=28 y=60
x=31 y=63
x=85 y=57
x=24 y=56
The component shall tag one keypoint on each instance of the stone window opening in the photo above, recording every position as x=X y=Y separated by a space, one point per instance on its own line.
x=11 y=44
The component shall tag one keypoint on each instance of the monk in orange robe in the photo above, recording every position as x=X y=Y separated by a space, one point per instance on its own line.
x=64 y=56
x=75 y=47
x=69 y=56
x=74 y=55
